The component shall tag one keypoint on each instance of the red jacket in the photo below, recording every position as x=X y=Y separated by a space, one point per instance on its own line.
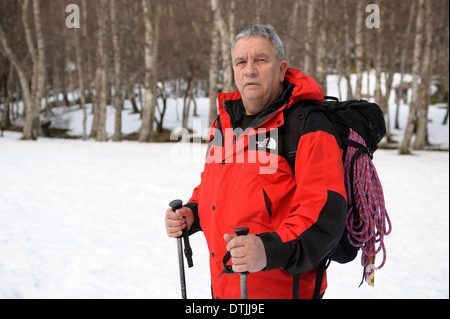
x=247 y=182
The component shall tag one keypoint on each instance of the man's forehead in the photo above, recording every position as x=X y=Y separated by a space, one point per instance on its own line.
x=255 y=45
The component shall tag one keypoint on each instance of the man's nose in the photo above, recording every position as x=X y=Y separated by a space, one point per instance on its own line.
x=250 y=69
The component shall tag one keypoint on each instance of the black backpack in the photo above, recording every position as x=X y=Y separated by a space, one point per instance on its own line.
x=358 y=127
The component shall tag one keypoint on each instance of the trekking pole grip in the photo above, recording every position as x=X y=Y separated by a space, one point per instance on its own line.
x=176 y=204
x=241 y=231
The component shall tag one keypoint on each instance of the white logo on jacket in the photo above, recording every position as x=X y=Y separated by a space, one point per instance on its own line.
x=269 y=143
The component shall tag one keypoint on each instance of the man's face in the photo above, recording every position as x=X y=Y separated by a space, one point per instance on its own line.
x=258 y=74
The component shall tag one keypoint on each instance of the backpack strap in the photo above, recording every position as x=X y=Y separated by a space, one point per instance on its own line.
x=294 y=123
x=320 y=272
x=295 y=286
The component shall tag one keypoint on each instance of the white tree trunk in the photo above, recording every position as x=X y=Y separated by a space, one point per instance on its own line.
x=378 y=66
x=118 y=101
x=80 y=80
x=26 y=92
x=359 y=49
x=389 y=76
x=308 y=66
x=213 y=66
x=417 y=56
x=424 y=87
x=148 y=109
x=403 y=60
x=101 y=66
x=32 y=128
x=225 y=45
x=347 y=51
x=292 y=31
x=322 y=47
x=40 y=69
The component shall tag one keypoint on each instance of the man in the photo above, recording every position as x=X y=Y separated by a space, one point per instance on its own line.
x=294 y=219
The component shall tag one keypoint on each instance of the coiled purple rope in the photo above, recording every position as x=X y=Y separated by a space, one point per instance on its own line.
x=370 y=229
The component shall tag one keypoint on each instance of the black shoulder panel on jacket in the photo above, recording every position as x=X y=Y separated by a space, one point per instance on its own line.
x=316 y=121
x=305 y=118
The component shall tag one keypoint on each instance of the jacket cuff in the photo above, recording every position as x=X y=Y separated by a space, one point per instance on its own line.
x=277 y=253
x=196 y=225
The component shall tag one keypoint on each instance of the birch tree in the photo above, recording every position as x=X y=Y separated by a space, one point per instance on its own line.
x=389 y=66
x=359 y=48
x=403 y=57
x=445 y=74
x=118 y=100
x=32 y=95
x=225 y=44
x=308 y=64
x=347 y=49
x=322 y=47
x=5 y=80
x=39 y=77
x=213 y=66
x=23 y=80
x=292 y=31
x=417 y=55
x=147 y=131
x=102 y=83
x=80 y=71
x=425 y=81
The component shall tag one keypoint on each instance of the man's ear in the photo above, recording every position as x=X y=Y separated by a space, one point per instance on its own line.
x=283 y=69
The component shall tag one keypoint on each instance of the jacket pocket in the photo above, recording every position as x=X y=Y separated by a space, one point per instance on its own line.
x=266 y=202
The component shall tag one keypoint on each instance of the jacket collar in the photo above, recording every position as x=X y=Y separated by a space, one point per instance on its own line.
x=298 y=85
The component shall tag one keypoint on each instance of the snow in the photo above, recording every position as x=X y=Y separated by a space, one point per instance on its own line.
x=85 y=219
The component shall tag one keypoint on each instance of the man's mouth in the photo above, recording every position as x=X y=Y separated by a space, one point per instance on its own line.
x=251 y=84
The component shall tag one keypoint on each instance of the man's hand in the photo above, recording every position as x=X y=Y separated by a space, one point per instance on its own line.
x=178 y=220
x=247 y=252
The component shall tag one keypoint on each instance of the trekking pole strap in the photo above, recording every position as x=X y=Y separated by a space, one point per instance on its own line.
x=187 y=249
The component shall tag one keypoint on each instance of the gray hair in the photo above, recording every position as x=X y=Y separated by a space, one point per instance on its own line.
x=259 y=30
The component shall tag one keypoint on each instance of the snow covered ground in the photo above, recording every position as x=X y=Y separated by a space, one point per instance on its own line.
x=84 y=219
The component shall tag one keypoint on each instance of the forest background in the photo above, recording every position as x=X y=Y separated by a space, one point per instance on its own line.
x=147 y=51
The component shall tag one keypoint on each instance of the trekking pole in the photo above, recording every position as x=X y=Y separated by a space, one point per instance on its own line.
x=242 y=231
x=177 y=204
